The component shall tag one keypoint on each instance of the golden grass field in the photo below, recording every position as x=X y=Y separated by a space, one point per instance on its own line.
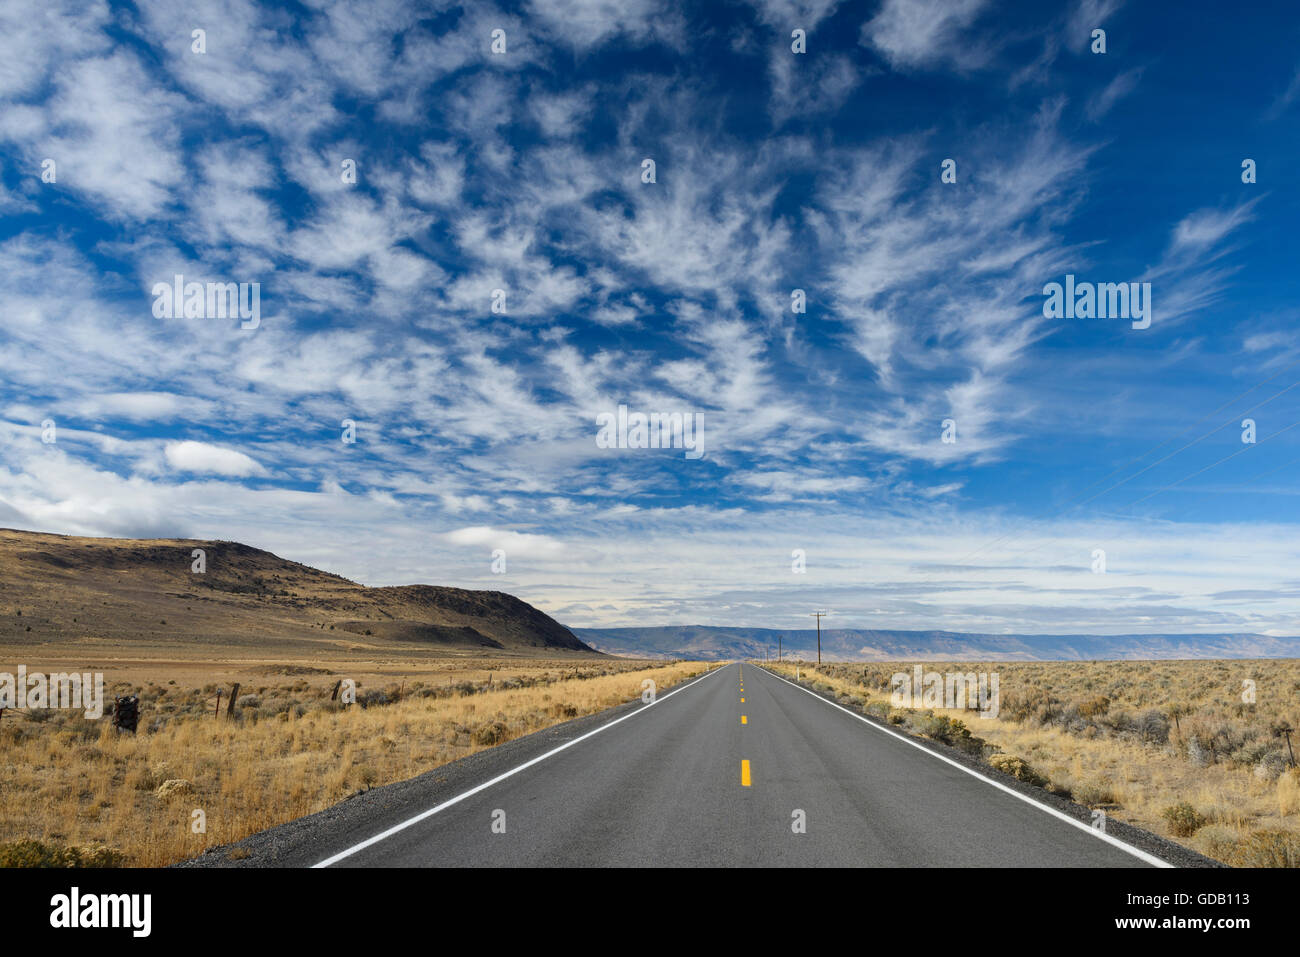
x=80 y=786
x=1169 y=746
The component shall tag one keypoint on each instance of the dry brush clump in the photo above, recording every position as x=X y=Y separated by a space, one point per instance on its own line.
x=1202 y=751
x=79 y=788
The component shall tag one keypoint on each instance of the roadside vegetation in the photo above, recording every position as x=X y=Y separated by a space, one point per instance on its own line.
x=79 y=793
x=1174 y=747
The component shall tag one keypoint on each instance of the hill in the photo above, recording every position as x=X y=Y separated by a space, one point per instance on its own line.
x=64 y=590
x=850 y=644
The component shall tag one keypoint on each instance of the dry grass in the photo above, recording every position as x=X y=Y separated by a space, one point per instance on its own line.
x=70 y=782
x=1137 y=739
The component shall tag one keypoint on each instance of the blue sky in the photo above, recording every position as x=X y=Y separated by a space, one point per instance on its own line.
x=774 y=171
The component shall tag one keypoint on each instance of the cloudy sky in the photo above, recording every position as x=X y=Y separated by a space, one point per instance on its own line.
x=133 y=149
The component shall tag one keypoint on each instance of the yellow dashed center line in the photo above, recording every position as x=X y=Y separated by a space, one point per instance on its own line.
x=744 y=719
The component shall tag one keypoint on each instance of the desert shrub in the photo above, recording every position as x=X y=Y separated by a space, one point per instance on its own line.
x=12 y=733
x=174 y=787
x=281 y=708
x=1152 y=726
x=1264 y=849
x=1033 y=706
x=81 y=728
x=1253 y=752
x=955 y=733
x=1018 y=768
x=1183 y=819
x=490 y=734
x=43 y=854
x=152 y=779
x=1095 y=707
x=1197 y=753
x=1093 y=794
x=1271 y=766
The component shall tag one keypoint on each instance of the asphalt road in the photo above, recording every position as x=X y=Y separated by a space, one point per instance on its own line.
x=716 y=772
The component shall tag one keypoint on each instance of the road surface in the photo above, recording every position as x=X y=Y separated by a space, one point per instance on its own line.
x=738 y=767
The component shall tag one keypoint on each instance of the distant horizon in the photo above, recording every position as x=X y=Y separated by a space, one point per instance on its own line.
x=943 y=631
x=716 y=643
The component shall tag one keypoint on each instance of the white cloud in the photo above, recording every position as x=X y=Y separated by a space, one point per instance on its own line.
x=561 y=114
x=140 y=406
x=1089 y=15
x=190 y=456
x=37 y=35
x=791 y=14
x=588 y=23
x=803 y=86
x=1207 y=227
x=1285 y=98
x=912 y=34
x=111 y=131
x=515 y=544
x=1121 y=86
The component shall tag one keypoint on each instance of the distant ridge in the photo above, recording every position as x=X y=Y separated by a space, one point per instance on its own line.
x=713 y=643
x=61 y=590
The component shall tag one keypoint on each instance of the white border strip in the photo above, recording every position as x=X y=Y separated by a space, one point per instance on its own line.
x=1101 y=835
x=501 y=777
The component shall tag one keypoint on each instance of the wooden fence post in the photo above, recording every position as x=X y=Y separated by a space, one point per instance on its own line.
x=217 y=711
x=234 y=693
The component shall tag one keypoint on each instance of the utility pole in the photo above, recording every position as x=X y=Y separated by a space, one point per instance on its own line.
x=819 y=615
x=778 y=649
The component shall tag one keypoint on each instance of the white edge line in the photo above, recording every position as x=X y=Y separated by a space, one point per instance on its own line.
x=1046 y=809
x=501 y=777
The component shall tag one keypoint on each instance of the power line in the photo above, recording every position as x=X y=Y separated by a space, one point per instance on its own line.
x=1076 y=503
x=1244 y=448
x=1191 y=475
